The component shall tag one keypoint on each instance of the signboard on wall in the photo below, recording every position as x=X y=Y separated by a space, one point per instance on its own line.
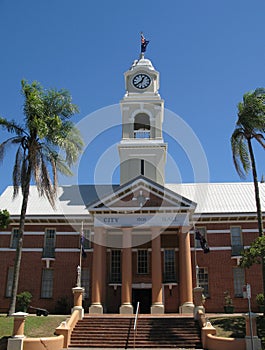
x=141 y=220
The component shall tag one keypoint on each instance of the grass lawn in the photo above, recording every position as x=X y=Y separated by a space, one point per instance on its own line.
x=35 y=326
x=234 y=327
x=230 y=327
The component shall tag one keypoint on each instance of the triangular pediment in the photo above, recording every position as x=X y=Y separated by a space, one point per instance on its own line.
x=141 y=194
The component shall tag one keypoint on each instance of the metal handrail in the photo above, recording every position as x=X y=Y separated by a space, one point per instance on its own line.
x=136 y=316
x=135 y=323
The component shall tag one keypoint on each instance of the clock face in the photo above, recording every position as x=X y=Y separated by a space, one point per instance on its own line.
x=141 y=81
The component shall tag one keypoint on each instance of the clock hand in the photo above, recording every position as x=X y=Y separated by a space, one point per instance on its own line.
x=140 y=83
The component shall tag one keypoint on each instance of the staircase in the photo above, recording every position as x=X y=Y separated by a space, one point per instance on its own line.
x=152 y=332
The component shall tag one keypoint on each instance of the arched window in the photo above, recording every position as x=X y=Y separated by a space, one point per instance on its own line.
x=142 y=126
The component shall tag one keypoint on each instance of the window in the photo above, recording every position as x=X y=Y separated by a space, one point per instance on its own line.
x=239 y=281
x=87 y=239
x=9 y=282
x=49 y=244
x=14 y=238
x=115 y=266
x=169 y=266
x=202 y=231
x=85 y=281
x=142 y=126
x=236 y=240
x=47 y=283
x=203 y=280
x=142 y=261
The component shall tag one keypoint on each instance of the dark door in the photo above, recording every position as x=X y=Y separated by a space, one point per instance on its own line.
x=144 y=296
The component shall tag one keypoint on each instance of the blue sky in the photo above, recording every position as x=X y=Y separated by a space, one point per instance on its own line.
x=208 y=52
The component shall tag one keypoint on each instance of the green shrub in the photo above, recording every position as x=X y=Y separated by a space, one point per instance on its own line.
x=23 y=301
x=62 y=306
x=260 y=299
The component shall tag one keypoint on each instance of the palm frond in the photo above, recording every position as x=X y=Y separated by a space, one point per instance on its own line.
x=17 y=171
x=8 y=143
x=45 y=187
x=260 y=139
x=72 y=145
x=240 y=153
x=62 y=167
x=59 y=103
x=11 y=126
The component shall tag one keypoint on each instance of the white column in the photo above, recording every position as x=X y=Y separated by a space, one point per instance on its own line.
x=157 y=295
x=98 y=268
x=126 y=288
x=186 y=297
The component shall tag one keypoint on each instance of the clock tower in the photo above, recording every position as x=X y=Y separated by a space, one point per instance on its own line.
x=142 y=150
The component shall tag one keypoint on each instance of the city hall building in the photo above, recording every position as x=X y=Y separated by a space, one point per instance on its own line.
x=138 y=237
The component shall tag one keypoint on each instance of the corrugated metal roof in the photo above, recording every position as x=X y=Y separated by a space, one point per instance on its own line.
x=213 y=198
x=236 y=197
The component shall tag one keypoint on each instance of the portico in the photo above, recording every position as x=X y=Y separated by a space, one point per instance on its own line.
x=133 y=228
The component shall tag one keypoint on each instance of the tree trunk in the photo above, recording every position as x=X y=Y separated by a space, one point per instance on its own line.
x=258 y=205
x=256 y=185
x=25 y=194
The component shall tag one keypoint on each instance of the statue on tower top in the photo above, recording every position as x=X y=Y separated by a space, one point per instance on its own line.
x=144 y=43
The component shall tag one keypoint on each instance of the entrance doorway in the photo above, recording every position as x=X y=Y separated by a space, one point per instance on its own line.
x=144 y=296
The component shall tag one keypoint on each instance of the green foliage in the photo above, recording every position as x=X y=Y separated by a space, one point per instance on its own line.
x=23 y=301
x=4 y=218
x=255 y=254
x=227 y=298
x=261 y=330
x=250 y=125
x=62 y=306
x=48 y=141
x=260 y=299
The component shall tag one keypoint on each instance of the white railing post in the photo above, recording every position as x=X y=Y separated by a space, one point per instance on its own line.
x=135 y=323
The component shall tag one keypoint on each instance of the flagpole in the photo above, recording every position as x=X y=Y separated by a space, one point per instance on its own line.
x=80 y=253
x=79 y=267
x=195 y=257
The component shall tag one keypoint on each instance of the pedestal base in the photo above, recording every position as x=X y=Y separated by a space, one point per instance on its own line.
x=80 y=309
x=126 y=309
x=186 y=308
x=15 y=343
x=96 y=309
x=256 y=343
x=196 y=309
x=157 y=309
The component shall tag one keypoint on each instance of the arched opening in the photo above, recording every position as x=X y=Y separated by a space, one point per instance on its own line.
x=142 y=126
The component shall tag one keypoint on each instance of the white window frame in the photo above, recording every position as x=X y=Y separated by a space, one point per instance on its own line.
x=14 y=238
x=236 y=240
x=169 y=265
x=239 y=281
x=203 y=232
x=115 y=266
x=47 y=283
x=9 y=281
x=203 y=280
x=49 y=249
x=85 y=281
x=142 y=262
x=87 y=239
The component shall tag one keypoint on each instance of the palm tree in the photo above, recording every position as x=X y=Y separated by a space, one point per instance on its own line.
x=250 y=126
x=47 y=143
